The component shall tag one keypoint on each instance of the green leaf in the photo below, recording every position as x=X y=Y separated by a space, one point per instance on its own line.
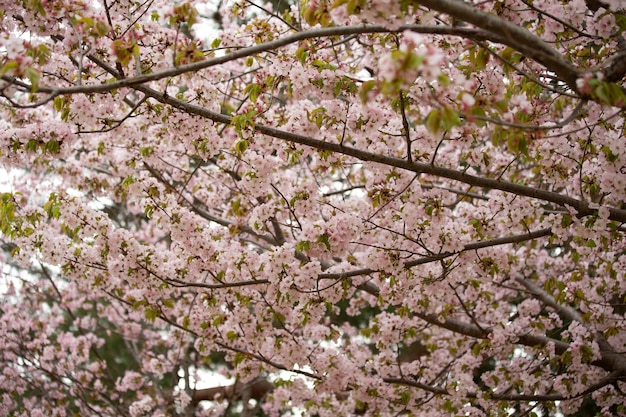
x=31 y=145
x=450 y=118
x=303 y=246
x=9 y=67
x=482 y=58
x=217 y=321
x=58 y=104
x=433 y=121
x=149 y=211
x=279 y=318
x=151 y=313
x=479 y=58
x=253 y=90
x=53 y=206
x=566 y=220
x=322 y=65
x=608 y=153
x=244 y=121
x=101 y=28
x=241 y=146
x=53 y=146
x=479 y=111
x=608 y=93
x=33 y=76
x=412 y=61
x=126 y=182
x=405 y=397
x=602 y=93
x=35 y=5
x=302 y=53
x=443 y=80
x=324 y=239
x=239 y=357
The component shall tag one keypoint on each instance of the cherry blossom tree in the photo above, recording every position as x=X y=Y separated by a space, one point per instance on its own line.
x=347 y=207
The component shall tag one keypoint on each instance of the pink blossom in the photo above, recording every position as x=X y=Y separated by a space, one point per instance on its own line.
x=361 y=218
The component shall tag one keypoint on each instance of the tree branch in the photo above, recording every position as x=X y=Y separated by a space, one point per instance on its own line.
x=609 y=379
x=427 y=259
x=510 y=34
x=246 y=52
x=256 y=389
x=582 y=207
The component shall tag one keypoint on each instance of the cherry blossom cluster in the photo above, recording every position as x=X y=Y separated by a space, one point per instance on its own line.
x=345 y=207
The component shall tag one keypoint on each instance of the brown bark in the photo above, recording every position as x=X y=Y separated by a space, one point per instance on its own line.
x=256 y=389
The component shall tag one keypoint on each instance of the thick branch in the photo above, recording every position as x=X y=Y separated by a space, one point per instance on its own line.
x=538 y=293
x=428 y=259
x=582 y=207
x=609 y=379
x=610 y=358
x=246 y=52
x=456 y=9
x=256 y=389
x=510 y=34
